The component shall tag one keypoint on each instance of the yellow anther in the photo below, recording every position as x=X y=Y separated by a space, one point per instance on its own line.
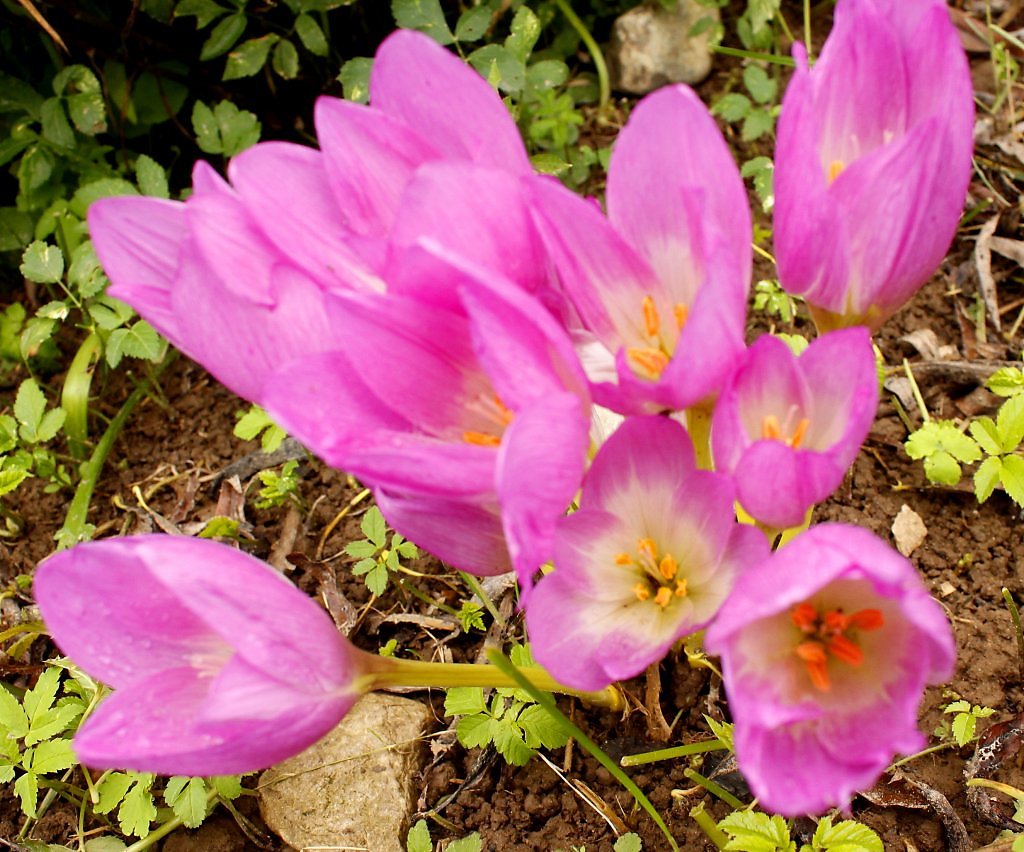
x=663 y=597
x=681 y=588
x=642 y=591
x=623 y=559
x=770 y=428
x=481 y=439
x=799 y=432
x=652 y=322
x=682 y=314
x=648 y=362
x=835 y=168
x=668 y=566
x=647 y=548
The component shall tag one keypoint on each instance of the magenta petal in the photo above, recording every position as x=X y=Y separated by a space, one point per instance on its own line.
x=418 y=81
x=466 y=534
x=551 y=435
x=370 y=157
x=777 y=484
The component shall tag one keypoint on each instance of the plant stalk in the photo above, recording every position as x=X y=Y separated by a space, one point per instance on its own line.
x=74 y=396
x=603 y=80
x=672 y=753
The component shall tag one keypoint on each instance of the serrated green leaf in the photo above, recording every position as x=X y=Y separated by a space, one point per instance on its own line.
x=722 y=730
x=39 y=699
x=540 y=728
x=27 y=788
x=964 y=725
x=984 y=431
x=941 y=468
x=1011 y=476
x=1006 y=382
x=364 y=566
x=111 y=791
x=286 y=60
x=463 y=700
x=42 y=263
x=405 y=549
x=361 y=549
x=508 y=740
x=86 y=194
x=423 y=15
x=249 y=57
x=187 y=798
x=500 y=67
x=469 y=843
x=474 y=731
x=845 y=836
x=311 y=36
x=524 y=32
x=205 y=11
x=756 y=124
x=473 y=23
x=628 y=843
x=419 y=838
x=732 y=107
x=137 y=809
x=85 y=273
x=227 y=786
x=139 y=340
x=29 y=407
x=225 y=129
x=1010 y=423
x=374 y=527
x=105 y=844
x=355 y=79
x=12 y=715
x=223 y=36
x=55 y=125
x=52 y=756
x=52 y=722
x=986 y=477
x=761 y=87
x=376 y=579
x=752 y=831
x=151 y=177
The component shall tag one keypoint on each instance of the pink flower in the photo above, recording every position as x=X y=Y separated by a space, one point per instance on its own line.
x=872 y=160
x=235 y=277
x=660 y=285
x=219 y=665
x=787 y=429
x=826 y=647
x=650 y=556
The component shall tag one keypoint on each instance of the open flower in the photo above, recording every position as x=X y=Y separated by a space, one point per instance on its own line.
x=219 y=665
x=650 y=556
x=787 y=429
x=872 y=160
x=660 y=285
x=826 y=648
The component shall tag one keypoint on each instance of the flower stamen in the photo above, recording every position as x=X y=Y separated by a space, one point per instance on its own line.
x=826 y=637
x=835 y=168
x=647 y=361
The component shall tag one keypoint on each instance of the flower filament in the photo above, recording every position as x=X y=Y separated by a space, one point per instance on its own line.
x=658 y=573
x=824 y=635
x=772 y=429
x=650 y=361
x=492 y=409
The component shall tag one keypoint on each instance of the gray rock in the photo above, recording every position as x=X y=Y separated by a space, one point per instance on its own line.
x=651 y=46
x=354 y=788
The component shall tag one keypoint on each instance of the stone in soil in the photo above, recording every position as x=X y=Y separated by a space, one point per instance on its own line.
x=353 y=789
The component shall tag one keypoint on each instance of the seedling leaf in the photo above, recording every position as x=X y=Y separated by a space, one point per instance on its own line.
x=752 y=831
x=1011 y=476
x=469 y=843
x=464 y=700
x=1008 y=381
x=12 y=716
x=423 y=15
x=984 y=431
x=42 y=263
x=419 y=838
x=1010 y=423
x=845 y=836
x=374 y=527
x=187 y=798
x=52 y=756
x=986 y=477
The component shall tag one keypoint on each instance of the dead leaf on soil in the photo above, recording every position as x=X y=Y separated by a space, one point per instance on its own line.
x=1009 y=142
x=983 y=264
x=908 y=530
x=1000 y=741
x=926 y=342
x=956 y=833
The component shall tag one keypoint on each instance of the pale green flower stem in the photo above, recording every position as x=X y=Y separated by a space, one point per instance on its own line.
x=698 y=424
x=380 y=672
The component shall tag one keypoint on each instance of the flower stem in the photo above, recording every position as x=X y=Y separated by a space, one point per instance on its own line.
x=671 y=753
x=709 y=826
x=74 y=396
x=714 y=789
x=603 y=82
x=392 y=671
x=698 y=424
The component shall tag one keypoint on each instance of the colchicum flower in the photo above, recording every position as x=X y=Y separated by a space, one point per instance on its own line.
x=660 y=285
x=872 y=160
x=649 y=558
x=219 y=665
x=826 y=648
x=787 y=429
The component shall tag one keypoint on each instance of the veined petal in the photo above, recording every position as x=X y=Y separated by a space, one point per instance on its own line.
x=418 y=81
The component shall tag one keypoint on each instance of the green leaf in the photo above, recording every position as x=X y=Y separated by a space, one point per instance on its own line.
x=355 y=79
x=223 y=36
x=361 y=549
x=1010 y=423
x=474 y=731
x=286 y=60
x=84 y=98
x=220 y=526
x=541 y=728
x=11 y=478
x=187 y=798
x=152 y=177
x=249 y=57
x=86 y=194
x=845 y=836
x=464 y=700
x=469 y=843
x=941 y=468
x=757 y=123
x=508 y=740
x=986 y=477
x=984 y=431
x=1011 y=476
x=364 y=566
x=419 y=838
x=53 y=756
x=227 y=786
x=15 y=228
x=423 y=15
x=205 y=11
x=732 y=107
x=547 y=74
x=35 y=169
x=105 y=844
x=1008 y=381
x=311 y=36
x=12 y=716
x=752 y=831
x=53 y=721
x=111 y=791
x=374 y=527
x=500 y=66
x=55 y=125
x=964 y=725
x=39 y=699
x=137 y=810
x=37 y=424
x=139 y=340
x=27 y=788
x=42 y=263
x=473 y=23
x=722 y=730
x=525 y=30
x=376 y=579
x=628 y=843
x=109 y=313
x=225 y=129
x=761 y=87
x=85 y=273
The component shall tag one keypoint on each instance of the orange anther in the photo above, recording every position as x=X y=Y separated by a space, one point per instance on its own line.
x=680 y=588
x=836 y=621
x=843 y=649
x=867 y=619
x=805 y=616
x=652 y=322
x=647 y=548
x=481 y=439
x=770 y=428
x=623 y=559
x=682 y=314
x=668 y=566
x=649 y=362
x=504 y=415
x=799 y=432
x=642 y=591
x=835 y=168
x=811 y=652
x=816 y=663
x=663 y=597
